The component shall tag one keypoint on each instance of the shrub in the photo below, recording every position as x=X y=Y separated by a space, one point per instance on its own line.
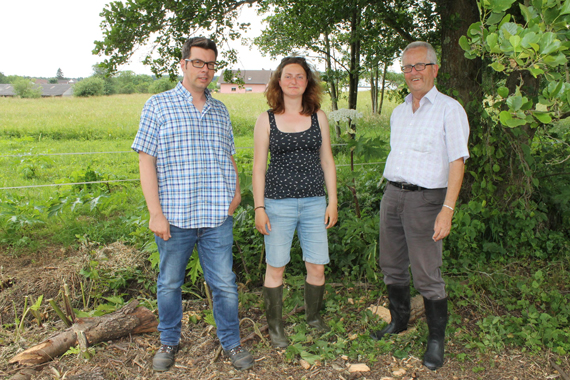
x=25 y=88
x=161 y=85
x=89 y=87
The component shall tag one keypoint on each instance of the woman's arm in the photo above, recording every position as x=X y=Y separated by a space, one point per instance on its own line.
x=329 y=170
x=260 y=153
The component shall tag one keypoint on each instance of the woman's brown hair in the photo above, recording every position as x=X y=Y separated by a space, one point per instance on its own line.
x=311 y=97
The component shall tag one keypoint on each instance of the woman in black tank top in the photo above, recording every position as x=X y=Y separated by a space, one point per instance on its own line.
x=289 y=194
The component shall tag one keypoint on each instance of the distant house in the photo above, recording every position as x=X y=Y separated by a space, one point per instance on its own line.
x=48 y=90
x=254 y=81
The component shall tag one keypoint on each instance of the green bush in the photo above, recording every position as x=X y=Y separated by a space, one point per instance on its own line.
x=161 y=85
x=89 y=87
x=25 y=88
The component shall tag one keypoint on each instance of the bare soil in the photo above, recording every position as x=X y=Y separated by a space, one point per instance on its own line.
x=43 y=273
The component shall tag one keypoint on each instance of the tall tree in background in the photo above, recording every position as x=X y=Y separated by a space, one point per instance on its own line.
x=59 y=75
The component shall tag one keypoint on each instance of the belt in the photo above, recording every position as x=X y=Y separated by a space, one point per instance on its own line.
x=406 y=186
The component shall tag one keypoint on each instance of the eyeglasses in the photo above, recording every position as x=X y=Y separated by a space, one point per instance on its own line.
x=198 y=63
x=417 y=66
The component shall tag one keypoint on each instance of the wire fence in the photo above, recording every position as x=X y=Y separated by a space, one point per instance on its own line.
x=115 y=180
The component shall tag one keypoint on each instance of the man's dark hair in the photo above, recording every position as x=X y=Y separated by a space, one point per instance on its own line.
x=201 y=42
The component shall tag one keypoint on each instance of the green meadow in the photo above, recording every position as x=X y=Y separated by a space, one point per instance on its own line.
x=55 y=141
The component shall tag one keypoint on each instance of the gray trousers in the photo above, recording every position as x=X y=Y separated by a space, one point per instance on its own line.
x=407 y=219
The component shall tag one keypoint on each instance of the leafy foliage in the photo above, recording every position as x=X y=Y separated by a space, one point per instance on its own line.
x=25 y=88
x=89 y=87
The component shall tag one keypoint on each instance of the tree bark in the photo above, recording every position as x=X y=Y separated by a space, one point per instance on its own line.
x=383 y=88
x=332 y=82
x=460 y=76
x=128 y=320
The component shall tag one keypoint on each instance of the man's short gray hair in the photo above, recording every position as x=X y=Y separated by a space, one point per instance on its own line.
x=431 y=55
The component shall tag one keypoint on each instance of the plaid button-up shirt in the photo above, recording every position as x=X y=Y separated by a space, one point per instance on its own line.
x=193 y=150
x=423 y=143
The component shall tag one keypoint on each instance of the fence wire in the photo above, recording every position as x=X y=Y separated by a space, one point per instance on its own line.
x=117 y=180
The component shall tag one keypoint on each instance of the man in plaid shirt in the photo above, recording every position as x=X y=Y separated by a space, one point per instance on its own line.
x=189 y=181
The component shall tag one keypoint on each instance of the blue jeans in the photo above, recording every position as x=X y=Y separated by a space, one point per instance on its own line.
x=215 y=253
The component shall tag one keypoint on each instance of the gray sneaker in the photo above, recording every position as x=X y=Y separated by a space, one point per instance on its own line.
x=240 y=357
x=164 y=358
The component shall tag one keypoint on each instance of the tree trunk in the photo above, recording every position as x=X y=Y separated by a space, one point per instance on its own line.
x=331 y=80
x=128 y=320
x=383 y=88
x=354 y=73
x=459 y=76
x=374 y=89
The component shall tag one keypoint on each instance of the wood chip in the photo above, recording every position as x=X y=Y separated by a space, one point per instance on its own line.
x=360 y=367
x=399 y=372
x=304 y=364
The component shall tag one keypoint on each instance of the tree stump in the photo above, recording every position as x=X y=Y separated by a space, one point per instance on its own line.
x=417 y=310
x=130 y=319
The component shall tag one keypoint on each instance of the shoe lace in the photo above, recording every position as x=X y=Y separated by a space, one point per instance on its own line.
x=167 y=349
x=235 y=350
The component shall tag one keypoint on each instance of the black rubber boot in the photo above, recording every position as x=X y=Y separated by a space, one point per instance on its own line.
x=399 y=297
x=274 y=313
x=313 y=305
x=436 y=316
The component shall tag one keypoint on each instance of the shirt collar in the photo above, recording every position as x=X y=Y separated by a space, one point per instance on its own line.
x=182 y=91
x=431 y=96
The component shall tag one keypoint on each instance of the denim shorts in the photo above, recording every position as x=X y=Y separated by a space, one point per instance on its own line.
x=307 y=216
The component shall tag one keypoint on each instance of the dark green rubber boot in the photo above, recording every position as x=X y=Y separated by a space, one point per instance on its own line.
x=274 y=313
x=313 y=305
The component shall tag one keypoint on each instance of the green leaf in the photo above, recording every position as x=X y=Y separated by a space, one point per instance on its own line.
x=516 y=42
x=565 y=8
x=536 y=72
x=546 y=41
x=556 y=90
x=310 y=358
x=498 y=66
x=515 y=102
x=492 y=43
x=527 y=13
x=509 y=29
x=464 y=43
x=530 y=39
x=495 y=18
x=496 y=168
x=475 y=30
x=500 y=5
x=543 y=117
x=503 y=92
x=504 y=117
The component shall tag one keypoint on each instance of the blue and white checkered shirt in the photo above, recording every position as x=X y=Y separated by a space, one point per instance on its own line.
x=193 y=150
x=423 y=143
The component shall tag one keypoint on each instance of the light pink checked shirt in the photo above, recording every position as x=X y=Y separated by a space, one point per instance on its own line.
x=425 y=142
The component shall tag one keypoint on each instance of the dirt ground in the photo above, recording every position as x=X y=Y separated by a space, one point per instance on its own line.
x=130 y=357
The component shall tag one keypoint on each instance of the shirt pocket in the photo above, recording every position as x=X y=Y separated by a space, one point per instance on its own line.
x=423 y=139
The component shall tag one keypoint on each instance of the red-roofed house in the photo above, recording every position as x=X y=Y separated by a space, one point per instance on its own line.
x=254 y=81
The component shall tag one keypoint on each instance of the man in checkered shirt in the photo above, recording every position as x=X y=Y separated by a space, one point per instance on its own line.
x=424 y=169
x=189 y=181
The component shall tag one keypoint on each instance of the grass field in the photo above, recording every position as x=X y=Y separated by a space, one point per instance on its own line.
x=40 y=140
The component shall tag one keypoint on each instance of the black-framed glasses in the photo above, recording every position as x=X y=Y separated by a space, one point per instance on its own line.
x=198 y=63
x=417 y=66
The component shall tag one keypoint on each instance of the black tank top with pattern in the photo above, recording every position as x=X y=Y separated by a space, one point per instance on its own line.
x=295 y=169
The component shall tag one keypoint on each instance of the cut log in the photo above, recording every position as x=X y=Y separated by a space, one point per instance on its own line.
x=417 y=304
x=130 y=319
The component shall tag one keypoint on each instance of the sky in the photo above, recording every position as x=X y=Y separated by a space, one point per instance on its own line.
x=38 y=37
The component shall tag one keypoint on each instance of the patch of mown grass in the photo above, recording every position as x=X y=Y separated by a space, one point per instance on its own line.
x=105 y=117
